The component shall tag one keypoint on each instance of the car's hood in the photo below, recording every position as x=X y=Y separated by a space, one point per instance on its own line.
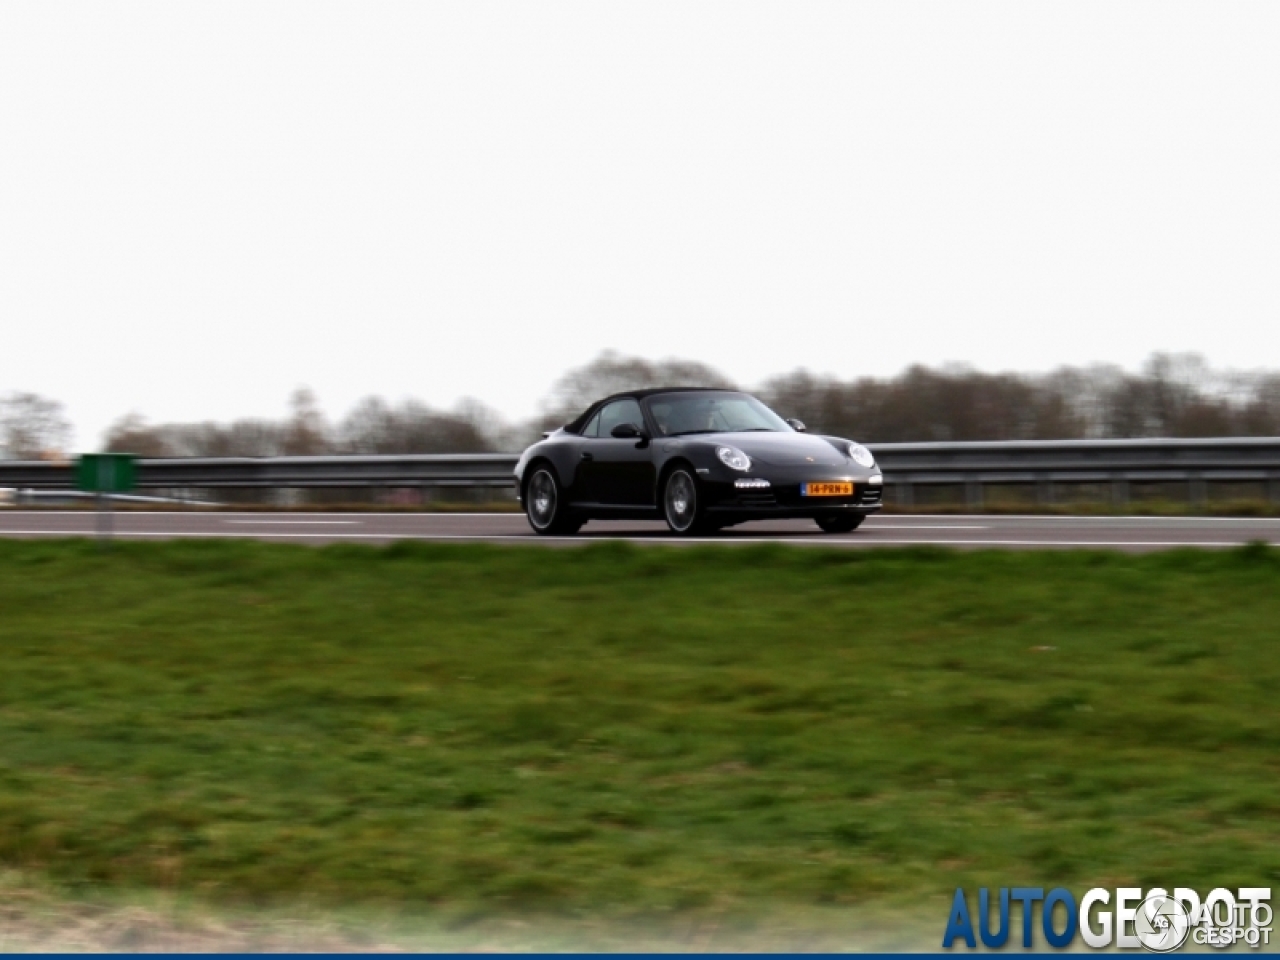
x=782 y=449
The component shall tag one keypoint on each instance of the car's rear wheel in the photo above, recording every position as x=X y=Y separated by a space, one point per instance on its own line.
x=545 y=507
x=842 y=523
x=681 y=506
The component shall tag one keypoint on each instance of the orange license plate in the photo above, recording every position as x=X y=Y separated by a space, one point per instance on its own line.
x=826 y=489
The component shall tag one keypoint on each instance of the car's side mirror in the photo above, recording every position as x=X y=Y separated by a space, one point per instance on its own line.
x=626 y=431
x=796 y=425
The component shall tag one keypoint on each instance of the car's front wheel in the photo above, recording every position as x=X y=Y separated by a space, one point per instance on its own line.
x=545 y=507
x=681 y=507
x=842 y=523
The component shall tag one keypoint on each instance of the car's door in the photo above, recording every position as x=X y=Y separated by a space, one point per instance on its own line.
x=584 y=479
x=620 y=470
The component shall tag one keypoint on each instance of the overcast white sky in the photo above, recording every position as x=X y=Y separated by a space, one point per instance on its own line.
x=203 y=206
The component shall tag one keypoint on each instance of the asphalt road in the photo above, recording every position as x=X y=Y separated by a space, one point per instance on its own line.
x=1013 y=532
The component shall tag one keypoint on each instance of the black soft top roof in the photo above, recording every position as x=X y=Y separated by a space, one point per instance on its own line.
x=577 y=424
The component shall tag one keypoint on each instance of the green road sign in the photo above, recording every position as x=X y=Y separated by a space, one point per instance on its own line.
x=106 y=472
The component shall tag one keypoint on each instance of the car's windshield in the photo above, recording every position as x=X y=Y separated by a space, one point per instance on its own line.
x=683 y=413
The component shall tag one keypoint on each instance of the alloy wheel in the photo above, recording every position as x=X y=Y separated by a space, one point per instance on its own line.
x=681 y=501
x=541 y=500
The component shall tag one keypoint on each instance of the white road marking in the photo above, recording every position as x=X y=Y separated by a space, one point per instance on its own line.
x=406 y=514
x=815 y=540
x=294 y=522
x=927 y=526
x=1075 y=518
x=874 y=521
x=179 y=514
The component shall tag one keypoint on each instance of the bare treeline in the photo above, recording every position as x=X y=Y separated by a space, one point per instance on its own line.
x=1175 y=395
x=31 y=425
x=1172 y=396
x=374 y=426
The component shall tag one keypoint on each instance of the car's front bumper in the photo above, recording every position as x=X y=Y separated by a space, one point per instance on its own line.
x=758 y=496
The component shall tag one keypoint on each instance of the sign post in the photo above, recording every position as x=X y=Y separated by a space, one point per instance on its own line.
x=105 y=474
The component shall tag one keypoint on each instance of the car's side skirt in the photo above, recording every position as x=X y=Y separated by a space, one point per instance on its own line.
x=610 y=511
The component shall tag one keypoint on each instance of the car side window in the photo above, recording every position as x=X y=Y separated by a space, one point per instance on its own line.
x=620 y=411
x=593 y=426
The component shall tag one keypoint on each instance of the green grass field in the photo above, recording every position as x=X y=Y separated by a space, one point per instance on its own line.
x=631 y=732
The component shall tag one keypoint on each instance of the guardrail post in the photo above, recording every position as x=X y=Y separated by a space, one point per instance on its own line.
x=1274 y=484
x=906 y=494
x=104 y=520
x=973 y=494
x=1119 y=491
x=1044 y=492
x=1198 y=491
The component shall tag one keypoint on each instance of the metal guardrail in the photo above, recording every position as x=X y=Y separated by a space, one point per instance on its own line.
x=1045 y=464
x=410 y=470
x=1050 y=464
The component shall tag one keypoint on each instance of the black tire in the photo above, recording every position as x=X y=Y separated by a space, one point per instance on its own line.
x=681 y=506
x=544 y=505
x=841 y=523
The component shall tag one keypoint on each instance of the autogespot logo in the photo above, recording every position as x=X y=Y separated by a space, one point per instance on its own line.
x=1156 y=920
x=1162 y=923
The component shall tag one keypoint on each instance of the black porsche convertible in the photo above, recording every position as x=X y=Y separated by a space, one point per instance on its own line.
x=699 y=459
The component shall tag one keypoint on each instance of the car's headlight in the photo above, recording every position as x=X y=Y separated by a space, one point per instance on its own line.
x=733 y=458
x=861 y=455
